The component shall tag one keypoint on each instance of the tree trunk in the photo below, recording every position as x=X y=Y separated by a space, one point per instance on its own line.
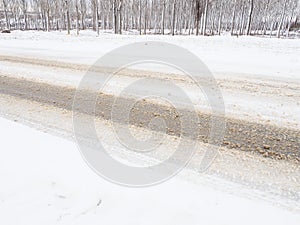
x=205 y=18
x=115 y=17
x=146 y=17
x=290 y=23
x=174 y=18
x=241 y=30
x=48 y=16
x=120 y=8
x=7 y=19
x=97 y=18
x=265 y=18
x=83 y=13
x=282 y=19
x=25 y=14
x=163 y=18
x=271 y=29
x=68 y=18
x=198 y=14
x=233 y=18
x=248 y=29
x=77 y=18
x=140 y=17
x=220 y=18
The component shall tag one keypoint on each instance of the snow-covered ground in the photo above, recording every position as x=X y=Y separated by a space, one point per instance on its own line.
x=243 y=56
x=259 y=77
x=44 y=180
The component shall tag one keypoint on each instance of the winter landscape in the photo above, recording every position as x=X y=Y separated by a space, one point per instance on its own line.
x=76 y=73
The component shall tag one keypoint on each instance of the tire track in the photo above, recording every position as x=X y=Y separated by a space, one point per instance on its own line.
x=266 y=140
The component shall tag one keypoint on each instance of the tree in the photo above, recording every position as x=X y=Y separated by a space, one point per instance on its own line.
x=251 y=5
x=233 y=17
x=241 y=17
x=163 y=17
x=198 y=15
x=68 y=16
x=7 y=19
x=205 y=17
x=77 y=16
x=174 y=17
x=282 y=19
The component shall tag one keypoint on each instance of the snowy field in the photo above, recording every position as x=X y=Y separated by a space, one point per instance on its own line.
x=44 y=179
x=224 y=55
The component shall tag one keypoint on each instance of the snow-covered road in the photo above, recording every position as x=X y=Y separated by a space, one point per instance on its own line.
x=259 y=77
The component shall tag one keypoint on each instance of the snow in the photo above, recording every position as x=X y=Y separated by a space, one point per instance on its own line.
x=224 y=55
x=44 y=180
x=268 y=67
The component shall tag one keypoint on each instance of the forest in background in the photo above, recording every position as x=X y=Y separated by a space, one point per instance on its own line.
x=174 y=17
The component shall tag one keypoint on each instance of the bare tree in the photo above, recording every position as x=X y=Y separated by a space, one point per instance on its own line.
x=174 y=17
x=7 y=19
x=140 y=17
x=251 y=5
x=68 y=16
x=205 y=17
x=198 y=15
x=77 y=16
x=281 y=19
x=163 y=17
x=241 y=17
x=233 y=17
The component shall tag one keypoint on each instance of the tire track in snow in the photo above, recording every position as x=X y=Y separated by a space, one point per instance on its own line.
x=266 y=140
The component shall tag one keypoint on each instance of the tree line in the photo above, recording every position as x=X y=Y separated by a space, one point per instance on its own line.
x=174 y=17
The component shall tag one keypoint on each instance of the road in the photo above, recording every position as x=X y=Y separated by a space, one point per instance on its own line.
x=247 y=133
x=258 y=150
